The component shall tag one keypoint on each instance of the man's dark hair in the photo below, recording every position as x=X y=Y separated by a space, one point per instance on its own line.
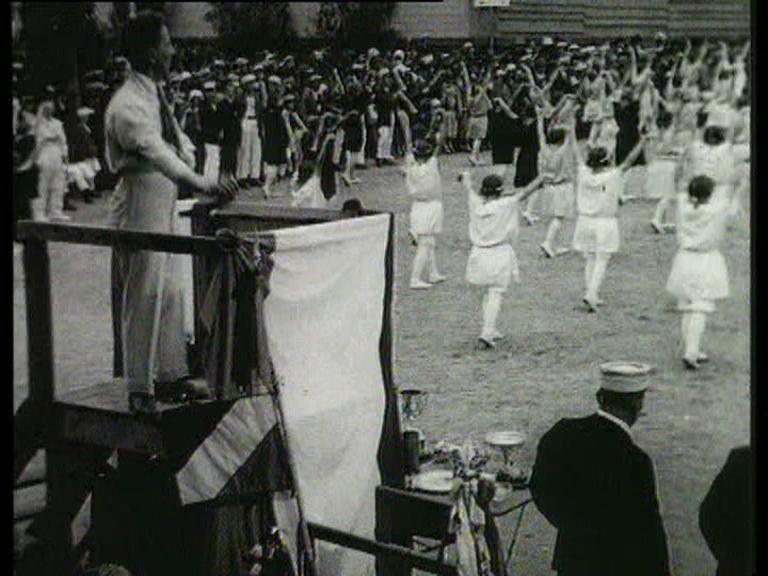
x=626 y=401
x=140 y=36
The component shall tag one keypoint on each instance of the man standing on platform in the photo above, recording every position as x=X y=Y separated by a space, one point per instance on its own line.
x=598 y=488
x=152 y=157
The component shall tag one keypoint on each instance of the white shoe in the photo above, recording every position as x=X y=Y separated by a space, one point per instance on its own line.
x=547 y=251
x=437 y=278
x=496 y=335
x=562 y=251
x=60 y=218
x=487 y=342
x=420 y=285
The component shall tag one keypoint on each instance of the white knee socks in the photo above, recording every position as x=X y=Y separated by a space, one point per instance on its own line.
x=661 y=208
x=695 y=329
x=420 y=262
x=491 y=307
x=552 y=231
x=598 y=272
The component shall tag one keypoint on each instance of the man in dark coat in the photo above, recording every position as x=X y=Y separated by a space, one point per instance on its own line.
x=726 y=516
x=598 y=488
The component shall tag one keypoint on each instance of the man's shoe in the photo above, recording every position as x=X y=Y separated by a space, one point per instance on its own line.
x=547 y=251
x=437 y=278
x=420 y=285
x=702 y=358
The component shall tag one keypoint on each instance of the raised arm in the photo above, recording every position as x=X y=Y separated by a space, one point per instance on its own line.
x=632 y=156
x=528 y=190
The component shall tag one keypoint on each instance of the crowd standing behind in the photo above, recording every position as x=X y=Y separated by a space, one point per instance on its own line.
x=259 y=119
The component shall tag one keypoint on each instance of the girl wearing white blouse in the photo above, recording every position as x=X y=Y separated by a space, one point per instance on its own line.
x=699 y=275
x=493 y=225
x=598 y=189
x=423 y=183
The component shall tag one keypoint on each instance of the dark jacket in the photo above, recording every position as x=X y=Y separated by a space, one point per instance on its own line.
x=597 y=487
x=726 y=519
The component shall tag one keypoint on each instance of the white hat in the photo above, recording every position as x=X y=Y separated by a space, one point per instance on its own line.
x=241 y=61
x=625 y=377
x=398 y=55
x=219 y=63
x=467 y=45
x=173 y=77
x=562 y=44
x=372 y=52
x=247 y=78
x=428 y=59
x=274 y=79
x=210 y=85
x=547 y=41
x=184 y=76
x=195 y=94
x=84 y=112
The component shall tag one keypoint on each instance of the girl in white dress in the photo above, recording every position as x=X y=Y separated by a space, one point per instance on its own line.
x=423 y=183
x=556 y=161
x=699 y=276
x=493 y=225
x=664 y=156
x=308 y=193
x=598 y=189
x=51 y=154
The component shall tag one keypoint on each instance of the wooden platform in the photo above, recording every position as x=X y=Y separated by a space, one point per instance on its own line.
x=99 y=415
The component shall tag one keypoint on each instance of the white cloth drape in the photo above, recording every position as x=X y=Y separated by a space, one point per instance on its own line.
x=324 y=317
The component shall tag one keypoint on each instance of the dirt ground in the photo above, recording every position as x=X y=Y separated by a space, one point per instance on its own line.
x=545 y=368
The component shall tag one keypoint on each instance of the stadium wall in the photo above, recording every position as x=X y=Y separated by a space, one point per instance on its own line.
x=459 y=19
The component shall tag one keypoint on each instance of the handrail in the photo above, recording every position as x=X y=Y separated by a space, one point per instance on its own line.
x=104 y=236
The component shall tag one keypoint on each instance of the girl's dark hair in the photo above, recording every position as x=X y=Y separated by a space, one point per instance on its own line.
x=714 y=135
x=701 y=119
x=597 y=157
x=664 y=120
x=556 y=136
x=700 y=189
x=140 y=36
x=492 y=186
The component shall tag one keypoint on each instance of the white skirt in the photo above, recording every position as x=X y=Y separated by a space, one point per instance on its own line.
x=698 y=276
x=426 y=217
x=494 y=266
x=559 y=200
x=310 y=195
x=660 y=180
x=596 y=234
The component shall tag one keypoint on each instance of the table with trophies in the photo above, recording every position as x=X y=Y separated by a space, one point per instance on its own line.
x=454 y=497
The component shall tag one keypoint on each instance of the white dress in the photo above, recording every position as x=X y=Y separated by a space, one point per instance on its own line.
x=699 y=274
x=310 y=194
x=559 y=194
x=422 y=180
x=597 y=202
x=493 y=224
x=662 y=165
x=716 y=162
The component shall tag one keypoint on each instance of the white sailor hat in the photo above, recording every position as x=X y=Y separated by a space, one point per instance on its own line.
x=184 y=76
x=85 y=111
x=248 y=78
x=398 y=55
x=195 y=94
x=427 y=59
x=547 y=41
x=562 y=44
x=210 y=85
x=218 y=63
x=434 y=102
x=241 y=61
x=573 y=47
x=274 y=79
x=625 y=377
x=510 y=67
x=373 y=52
x=468 y=46
x=173 y=77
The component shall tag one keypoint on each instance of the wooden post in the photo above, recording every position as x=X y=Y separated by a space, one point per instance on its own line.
x=37 y=283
